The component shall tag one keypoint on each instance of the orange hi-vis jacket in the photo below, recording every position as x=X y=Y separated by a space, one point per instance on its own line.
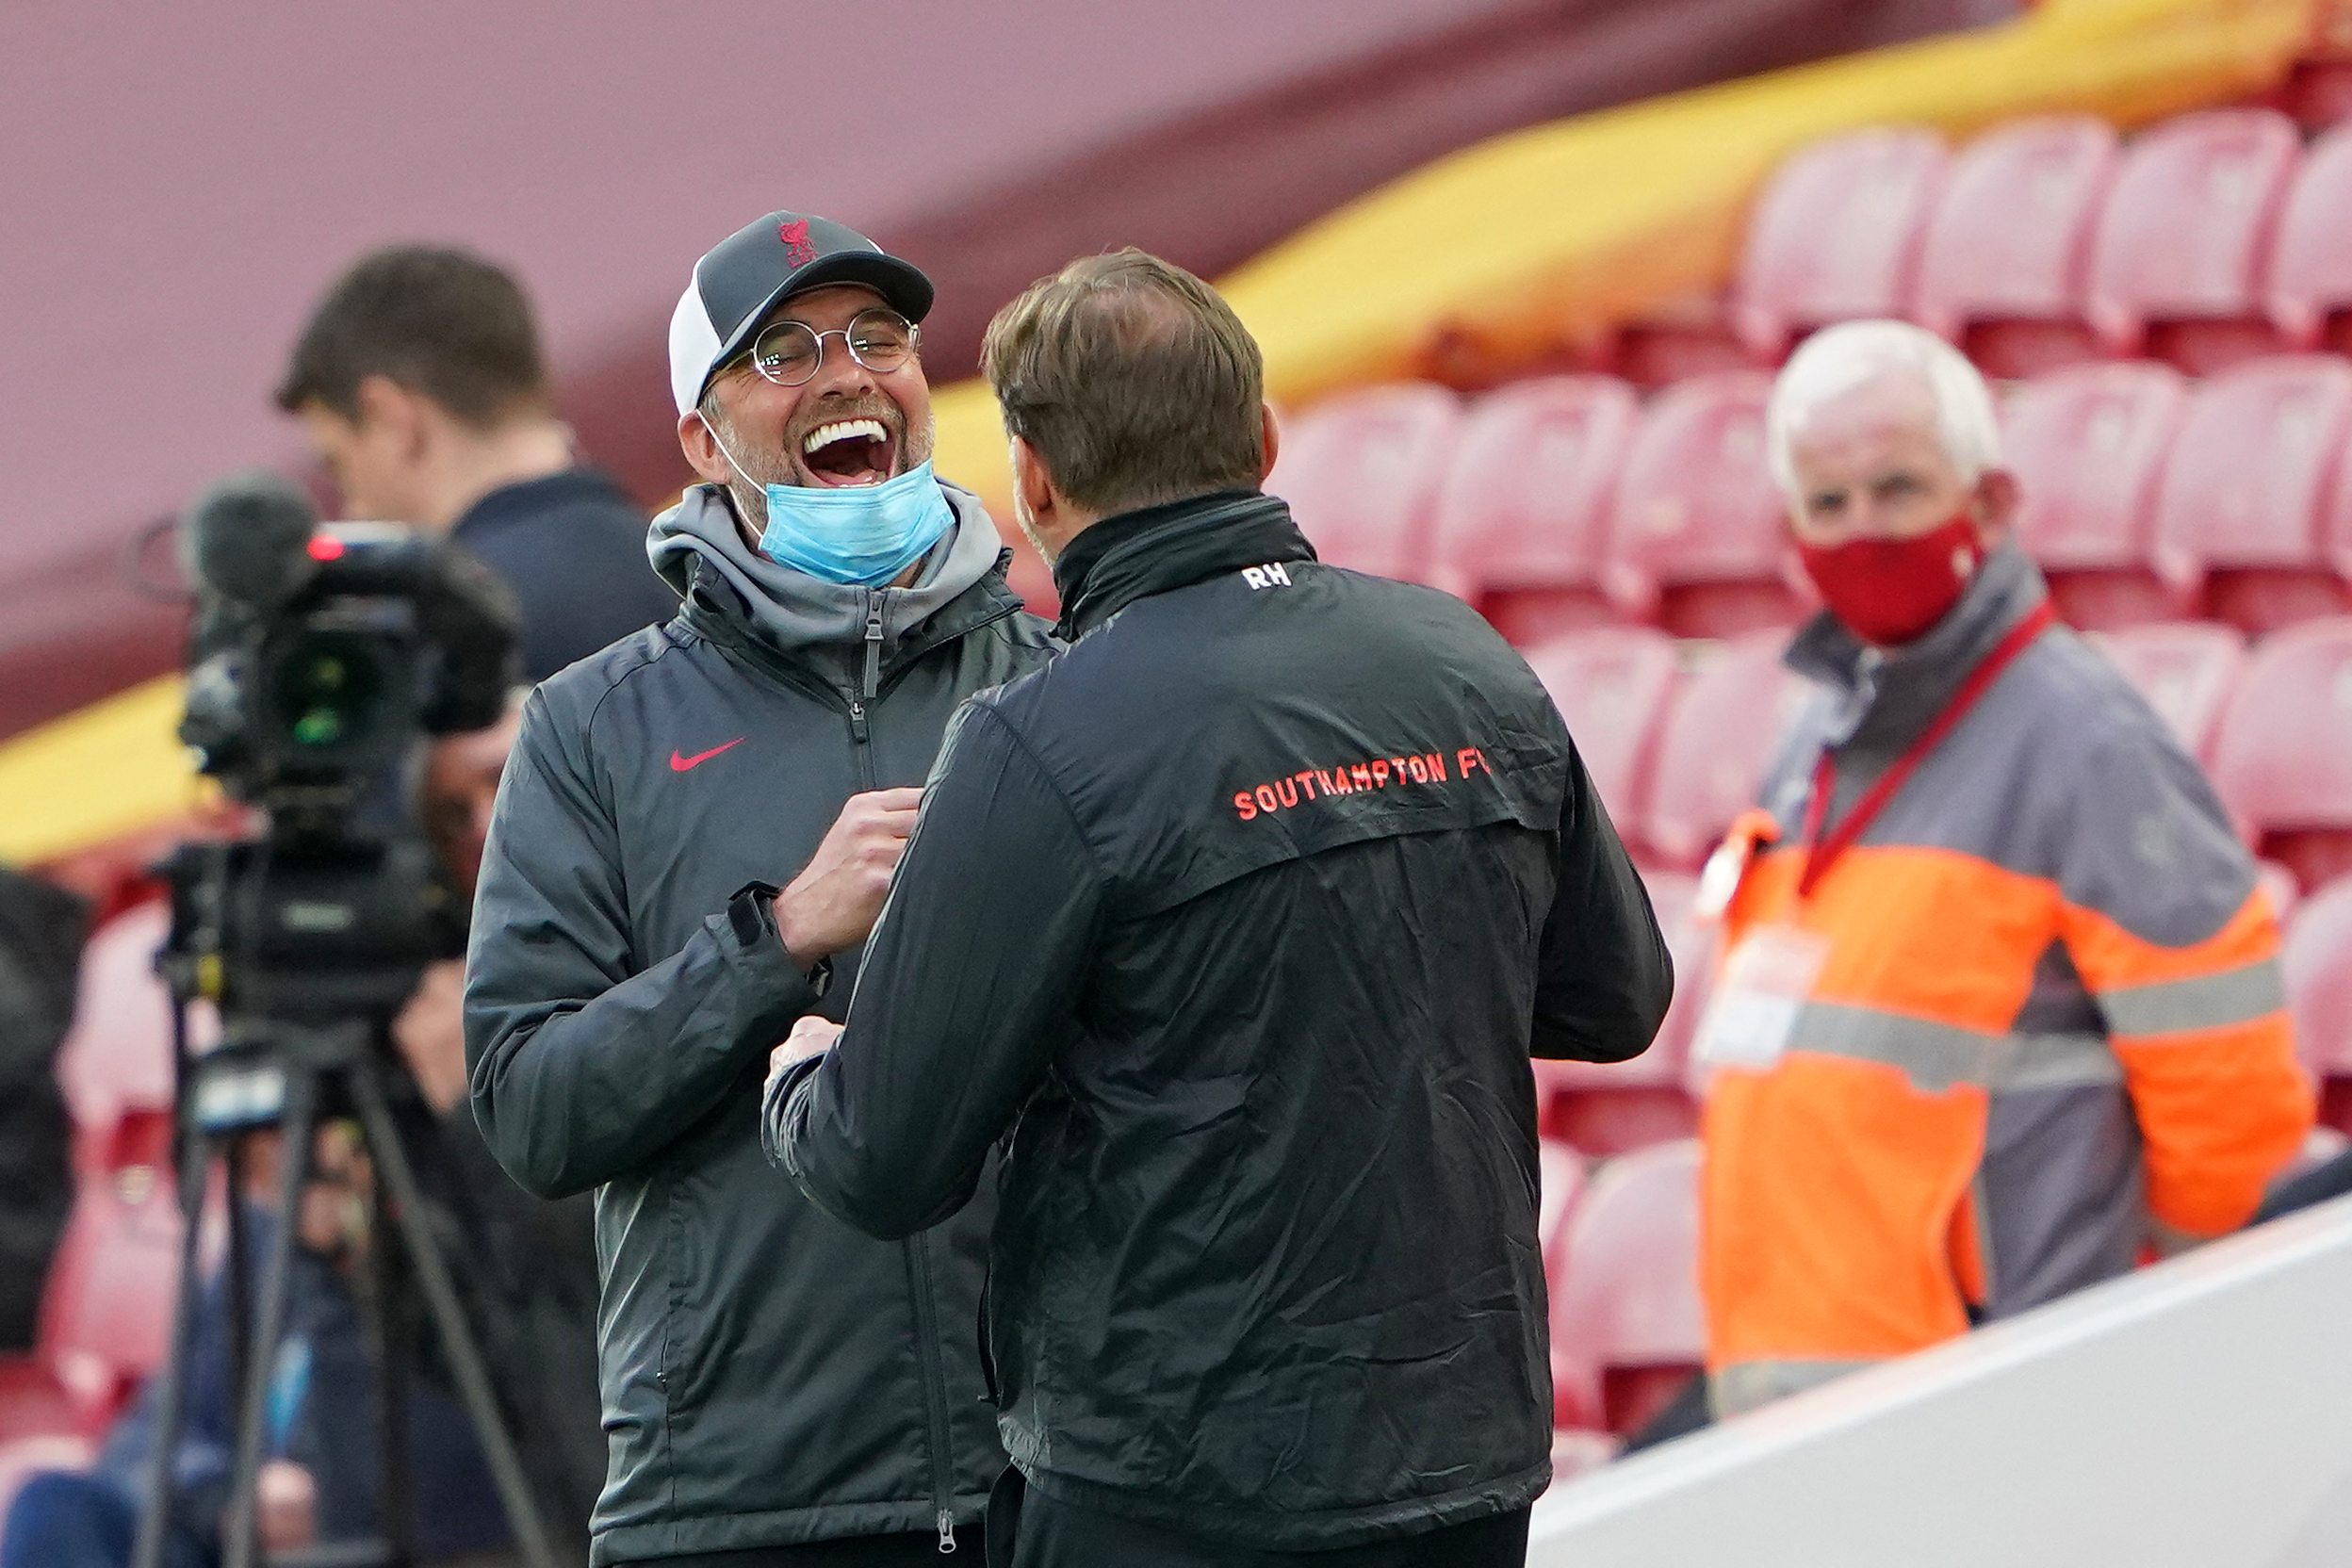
x=2028 y=1022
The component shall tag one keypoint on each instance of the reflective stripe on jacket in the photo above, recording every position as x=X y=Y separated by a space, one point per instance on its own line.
x=2047 y=1010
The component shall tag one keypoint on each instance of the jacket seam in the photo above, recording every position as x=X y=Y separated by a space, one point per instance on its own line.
x=1061 y=795
x=596 y=709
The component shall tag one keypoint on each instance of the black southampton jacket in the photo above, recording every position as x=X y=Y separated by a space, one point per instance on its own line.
x=769 y=1375
x=1243 y=918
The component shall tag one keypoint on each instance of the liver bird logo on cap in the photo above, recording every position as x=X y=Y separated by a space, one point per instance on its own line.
x=798 y=249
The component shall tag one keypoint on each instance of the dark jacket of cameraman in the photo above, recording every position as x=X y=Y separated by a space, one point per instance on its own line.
x=1272 y=883
x=769 y=1375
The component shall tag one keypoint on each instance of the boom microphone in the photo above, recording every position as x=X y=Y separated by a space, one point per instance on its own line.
x=247 y=538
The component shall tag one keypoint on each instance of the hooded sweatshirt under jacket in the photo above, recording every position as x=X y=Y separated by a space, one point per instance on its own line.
x=1262 y=893
x=769 y=1375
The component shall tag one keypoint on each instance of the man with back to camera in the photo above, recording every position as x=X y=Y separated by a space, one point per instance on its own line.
x=2000 y=1000
x=1241 y=918
x=420 y=383
x=779 y=1391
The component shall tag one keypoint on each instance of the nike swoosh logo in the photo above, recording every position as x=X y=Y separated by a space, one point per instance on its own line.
x=679 y=764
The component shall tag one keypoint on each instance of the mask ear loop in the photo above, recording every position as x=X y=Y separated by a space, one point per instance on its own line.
x=713 y=431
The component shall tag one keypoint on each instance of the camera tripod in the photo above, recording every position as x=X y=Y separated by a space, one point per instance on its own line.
x=288 y=1078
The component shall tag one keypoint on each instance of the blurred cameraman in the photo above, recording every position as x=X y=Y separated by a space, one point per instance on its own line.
x=420 y=383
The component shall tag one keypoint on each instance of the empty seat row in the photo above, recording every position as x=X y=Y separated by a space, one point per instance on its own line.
x=2206 y=240
x=1567 y=502
x=2148 y=498
x=1555 y=503
x=1677 y=737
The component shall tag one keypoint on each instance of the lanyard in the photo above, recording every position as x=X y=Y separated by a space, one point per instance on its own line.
x=1822 y=853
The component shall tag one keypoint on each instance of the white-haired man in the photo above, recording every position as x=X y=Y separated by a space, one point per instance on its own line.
x=1999 y=1002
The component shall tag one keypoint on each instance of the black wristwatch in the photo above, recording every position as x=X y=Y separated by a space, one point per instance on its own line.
x=752 y=913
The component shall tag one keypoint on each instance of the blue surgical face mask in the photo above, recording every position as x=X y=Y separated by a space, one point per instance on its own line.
x=858 y=535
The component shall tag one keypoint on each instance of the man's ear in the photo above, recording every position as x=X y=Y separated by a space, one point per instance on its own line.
x=701 y=448
x=1033 y=484
x=1271 y=436
x=1996 y=507
x=393 y=415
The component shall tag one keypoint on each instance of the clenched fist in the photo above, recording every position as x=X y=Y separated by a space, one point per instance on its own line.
x=832 y=904
x=811 y=1037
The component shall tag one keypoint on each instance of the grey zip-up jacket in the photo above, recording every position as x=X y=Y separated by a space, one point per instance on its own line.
x=769 y=1375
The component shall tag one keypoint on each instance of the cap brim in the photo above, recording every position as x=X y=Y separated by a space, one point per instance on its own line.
x=902 y=286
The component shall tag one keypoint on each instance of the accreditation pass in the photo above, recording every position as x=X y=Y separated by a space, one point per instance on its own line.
x=1762 y=988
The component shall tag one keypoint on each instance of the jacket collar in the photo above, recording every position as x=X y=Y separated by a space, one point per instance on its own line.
x=1884 y=698
x=1132 y=555
x=716 y=607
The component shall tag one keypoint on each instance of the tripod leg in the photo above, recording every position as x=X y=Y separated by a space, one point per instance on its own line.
x=391 y=1354
x=297 y=1123
x=171 y=1396
x=449 y=1320
x=235 y=1169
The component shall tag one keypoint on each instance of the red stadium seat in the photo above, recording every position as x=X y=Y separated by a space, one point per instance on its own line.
x=1626 y=1323
x=1606 y=1108
x=1362 y=472
x=2317 y=92
x=1563 y=1174
x=2282 y=758
x=2186 y=672
x=1720 y=732
x=1698 y=538
x=116 y=1061
x=2251 y=475
x=2316 y=957
x=32 y=1403
x=1677 y=340
x=1612 y=684
x=2335 y=534
x=2002 y=269
x=2284 y=887
x=1835 y=234
x=2308 y=289
x=107 y=1307
x=2177 y=265
x=2088 y=446
x=1523 y=515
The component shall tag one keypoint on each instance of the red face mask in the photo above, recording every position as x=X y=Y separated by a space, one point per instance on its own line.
x=1891 y=591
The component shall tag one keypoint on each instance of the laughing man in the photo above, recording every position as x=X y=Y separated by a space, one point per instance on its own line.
x=779 y=1390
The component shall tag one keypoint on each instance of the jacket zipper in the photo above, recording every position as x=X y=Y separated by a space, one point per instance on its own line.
x=933 y=1388
x=874 y=644
x=781 y=671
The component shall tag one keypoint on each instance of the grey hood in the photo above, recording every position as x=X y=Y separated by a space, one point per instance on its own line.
x=795 y=611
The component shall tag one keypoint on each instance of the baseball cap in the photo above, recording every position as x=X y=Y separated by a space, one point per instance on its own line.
x=753 y=269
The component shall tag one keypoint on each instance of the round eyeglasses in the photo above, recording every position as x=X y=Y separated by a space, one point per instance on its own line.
x=789 y=353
